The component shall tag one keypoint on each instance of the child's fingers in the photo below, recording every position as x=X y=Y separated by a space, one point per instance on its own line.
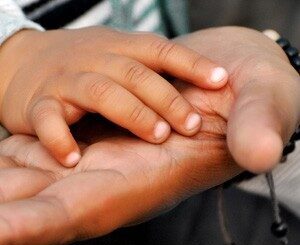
x=155 y=92
x=98 y=93
x=47 y=119
x=165 y=55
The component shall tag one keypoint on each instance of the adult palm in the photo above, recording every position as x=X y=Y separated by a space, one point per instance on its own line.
x=122 y=180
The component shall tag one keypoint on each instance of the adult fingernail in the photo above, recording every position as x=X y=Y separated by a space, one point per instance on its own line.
x=192 y=122
x=161 y=130
x=218 y=74
x=72 y=159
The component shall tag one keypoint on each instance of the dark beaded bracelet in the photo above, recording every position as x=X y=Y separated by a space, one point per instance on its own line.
x=296 y=63
x=292 y=52
x=283 y=43
x=293 y=55
x=279 y=228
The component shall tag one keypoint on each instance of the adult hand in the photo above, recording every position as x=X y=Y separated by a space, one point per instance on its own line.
x=123 y=180
x=119 y=180
x=266 y=91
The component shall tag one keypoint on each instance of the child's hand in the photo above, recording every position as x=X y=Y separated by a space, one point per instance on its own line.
x=49 y=80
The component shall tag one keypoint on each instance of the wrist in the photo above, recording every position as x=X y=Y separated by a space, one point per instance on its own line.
x=13 y=52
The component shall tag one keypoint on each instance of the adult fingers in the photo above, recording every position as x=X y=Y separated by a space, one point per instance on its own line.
x=26 y=168
x=18 y=183
x=7 y=162
x=71 y=209
x=27 y=151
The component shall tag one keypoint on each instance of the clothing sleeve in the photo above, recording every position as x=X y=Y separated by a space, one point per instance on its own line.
x=286 y=179
x=12 y=20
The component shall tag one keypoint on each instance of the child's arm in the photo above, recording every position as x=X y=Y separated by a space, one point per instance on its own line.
x=50 y=79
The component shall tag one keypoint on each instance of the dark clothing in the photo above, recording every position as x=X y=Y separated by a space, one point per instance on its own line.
x=195 y=222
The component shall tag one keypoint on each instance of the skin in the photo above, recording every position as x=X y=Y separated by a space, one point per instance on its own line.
x=122 y=180
x=51 y=79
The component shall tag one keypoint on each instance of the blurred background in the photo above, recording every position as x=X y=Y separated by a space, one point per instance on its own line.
x=280 y=15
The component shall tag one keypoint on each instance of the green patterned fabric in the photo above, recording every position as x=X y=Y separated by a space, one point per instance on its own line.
x=170 y=16
x=177 y=13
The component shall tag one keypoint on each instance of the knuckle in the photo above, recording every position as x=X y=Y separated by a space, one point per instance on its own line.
x=41 y=111
x=173 y=103
x=197 y=63
x=136 y=75
x=100 y=90
x=138 y=114
x=266 y=67
x=261 y=65
x=163 y=48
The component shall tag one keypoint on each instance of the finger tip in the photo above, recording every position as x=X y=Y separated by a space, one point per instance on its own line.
x=192 y=124
x=258 y=153
x=219 y=76
x=162 y=131
x=72 y=159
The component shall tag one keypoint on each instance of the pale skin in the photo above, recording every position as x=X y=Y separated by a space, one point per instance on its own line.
x=49 y=80
x=122 y=179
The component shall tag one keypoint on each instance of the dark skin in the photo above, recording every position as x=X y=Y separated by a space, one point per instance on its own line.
x=122 y=180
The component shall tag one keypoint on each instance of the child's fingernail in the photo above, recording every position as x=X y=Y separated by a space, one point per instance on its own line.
x=218 y=74
x=161 y=130
x=72 y=159
x=192 y=122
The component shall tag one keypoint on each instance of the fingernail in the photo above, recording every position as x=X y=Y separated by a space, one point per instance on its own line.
x=161 y=130
x=72 y=159
x=218 y=74
x=192 y=122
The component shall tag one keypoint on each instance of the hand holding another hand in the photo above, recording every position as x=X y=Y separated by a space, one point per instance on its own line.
x=122 y=179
